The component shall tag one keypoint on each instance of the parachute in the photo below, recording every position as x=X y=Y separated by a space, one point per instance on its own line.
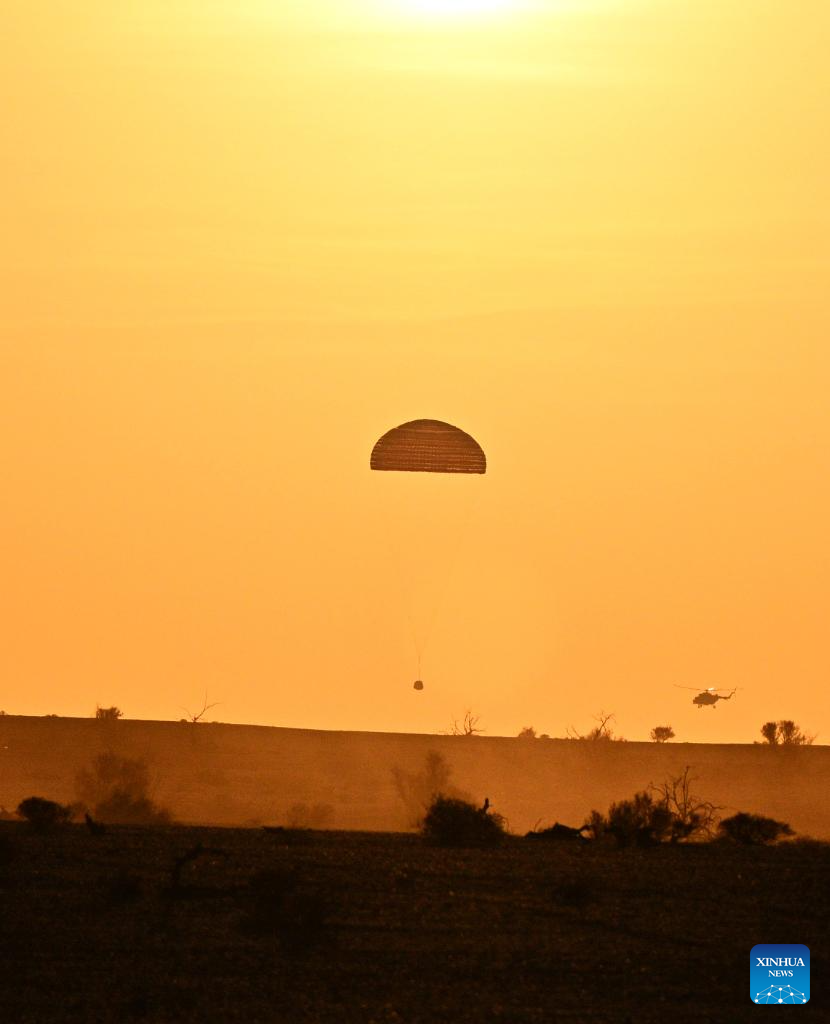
x=427 y=520
x=428 y=446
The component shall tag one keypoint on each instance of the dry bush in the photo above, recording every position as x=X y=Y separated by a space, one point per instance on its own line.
x=43 y=814
x=665 y=813
x=602 y=731
x=108 y=714
x=785 y=733
x=691 y=817
x=469 y=727
x=451 y=822
x=596 y=825
x=753 y=829
x=640 y=821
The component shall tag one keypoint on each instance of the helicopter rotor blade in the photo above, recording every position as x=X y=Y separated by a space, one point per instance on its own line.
x=709 y=689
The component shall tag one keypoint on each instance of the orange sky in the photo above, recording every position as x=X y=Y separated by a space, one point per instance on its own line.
x=241 y=240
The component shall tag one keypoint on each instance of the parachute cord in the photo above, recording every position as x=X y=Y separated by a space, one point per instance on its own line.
x=394 y=560
x=421 y=634
x=422 y=641
x=416 y=639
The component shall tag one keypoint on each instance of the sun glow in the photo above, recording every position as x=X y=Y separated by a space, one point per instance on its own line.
x=456 y=8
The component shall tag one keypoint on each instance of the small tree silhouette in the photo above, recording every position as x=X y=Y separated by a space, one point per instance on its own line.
x=662 y=733
x=784 y=733
x=601 y=732
x=469 y=727
x=789 y=734
x=199 y=715
x=527 y=733
x=108 y=714
x=690 y=816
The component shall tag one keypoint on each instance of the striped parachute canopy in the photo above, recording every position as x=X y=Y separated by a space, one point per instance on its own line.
x=428 y=446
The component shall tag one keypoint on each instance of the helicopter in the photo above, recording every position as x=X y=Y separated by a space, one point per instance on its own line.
x=710 y=696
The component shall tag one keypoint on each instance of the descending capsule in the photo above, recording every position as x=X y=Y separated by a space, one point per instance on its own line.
x=428 y=446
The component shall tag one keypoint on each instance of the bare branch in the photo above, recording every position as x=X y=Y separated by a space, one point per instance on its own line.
x=205 y=708
x=469 y=727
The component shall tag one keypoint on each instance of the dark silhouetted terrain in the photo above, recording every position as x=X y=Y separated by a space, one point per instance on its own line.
x=216 y=925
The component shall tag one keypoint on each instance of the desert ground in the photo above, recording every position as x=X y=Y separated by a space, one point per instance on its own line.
x=219 y=924
x=217 y=774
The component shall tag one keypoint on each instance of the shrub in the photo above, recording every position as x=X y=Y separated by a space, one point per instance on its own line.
x=117 y=790
x=43 y=814
x=453 y=822
x=669 y=812
x=662 y=733
x=602 y=731
x=108 y=714
x=691 y=817
x=785 y=733
x=753 y=829
x=418 y=790
x=639 y=822
x=596 y=825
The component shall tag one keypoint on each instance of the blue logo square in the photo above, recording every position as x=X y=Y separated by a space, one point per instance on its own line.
x=779 y=972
